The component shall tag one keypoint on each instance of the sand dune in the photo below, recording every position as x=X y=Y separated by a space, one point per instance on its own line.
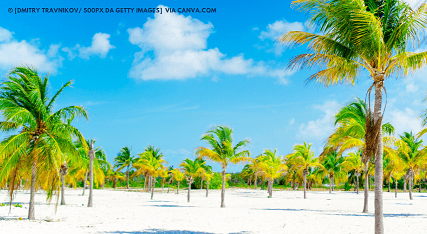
x=247 y=211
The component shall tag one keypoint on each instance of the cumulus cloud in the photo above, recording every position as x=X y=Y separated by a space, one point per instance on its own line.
x=277 y=29
x=321 y=128
x=14 y=53
x=100 y=47
x=405 y=120
x=174 y=47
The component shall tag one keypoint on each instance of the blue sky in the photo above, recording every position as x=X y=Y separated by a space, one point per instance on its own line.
x=165 y=79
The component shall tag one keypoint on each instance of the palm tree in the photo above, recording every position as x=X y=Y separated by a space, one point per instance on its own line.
x=353 y=162
x=255 y=167
x=208 y=175
x=334 y=168
x=304 y=160
x=151 y=163
x=351 y=133
x=220 y=139
x=115 y=176
x=42 y=137
x=272 y=167
x=178 y=176
x=411 y=156
x=192 y=169
x=124 y=159
x=357 y=35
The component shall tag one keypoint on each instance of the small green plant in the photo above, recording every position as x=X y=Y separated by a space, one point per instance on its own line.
x=17 y=205
x=347 y=187
x=2 y=204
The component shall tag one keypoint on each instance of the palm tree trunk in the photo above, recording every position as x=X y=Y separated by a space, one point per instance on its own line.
x=388 y=184
x=207 y=188
x=410 y=185
x=114 y=183
x=357 y=184
x=91 y=157
x=62 y=189
x=223 y=190
x=84 y=183
x=419 y=188
x=333 y=183
x=330 y=184
x=270 y=187
x=31 y=215
x=369 y=181
x=379 y=219
x=395 y=190
x=189 y=190
x=201 y=183
x=127 y=178
x=149 y=183
x=153 y=184
x=305 y=184
x=365 y=189
x=404 y=184
x=255 y=182
x=145 y=182
x=177 y=190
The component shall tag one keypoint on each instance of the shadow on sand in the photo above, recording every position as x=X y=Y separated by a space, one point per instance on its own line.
x=343 y=214
x=161 y=231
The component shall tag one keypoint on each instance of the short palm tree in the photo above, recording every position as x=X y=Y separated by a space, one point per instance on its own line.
x=220 y=139
x=362 y=35
x=124 y=159
x=411 y=156
x=353 y=162
x=303 y=158
x=152 y=165
x=178 y=176
x=42 y=137
x=333 y=167
x=272 y=166
x=115 y=176
x=192 y=170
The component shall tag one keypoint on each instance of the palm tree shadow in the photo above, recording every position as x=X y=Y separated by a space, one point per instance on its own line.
x=161 y=231
x=344 y=214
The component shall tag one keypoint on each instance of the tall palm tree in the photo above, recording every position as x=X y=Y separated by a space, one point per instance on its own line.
x=304 y=160
x=42 y=136
x=192 y=170
x=220 y=139
x=208 y=175
x=272 y=166
x=351 y=133
x=357 y=36
x=124 y=159
x=178 y=176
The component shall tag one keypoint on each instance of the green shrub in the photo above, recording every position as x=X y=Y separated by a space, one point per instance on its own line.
x=347 y=187
x=17 y=205
x=216 y=182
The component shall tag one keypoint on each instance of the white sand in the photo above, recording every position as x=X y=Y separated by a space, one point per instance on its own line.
x=247 y=211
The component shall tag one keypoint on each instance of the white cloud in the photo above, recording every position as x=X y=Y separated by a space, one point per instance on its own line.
x=277 y=29
x=173 y=153
x=411 y=87
x=414 y=3
x=405 y=121
x=292 y=121
x=15 y=53
x=100 y=47
x=320 y=129
x=174 y=47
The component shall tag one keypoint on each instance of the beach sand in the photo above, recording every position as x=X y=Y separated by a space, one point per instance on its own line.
x=247 y=211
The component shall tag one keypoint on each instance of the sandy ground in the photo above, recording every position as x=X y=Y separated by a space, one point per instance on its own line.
x=247 y=211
